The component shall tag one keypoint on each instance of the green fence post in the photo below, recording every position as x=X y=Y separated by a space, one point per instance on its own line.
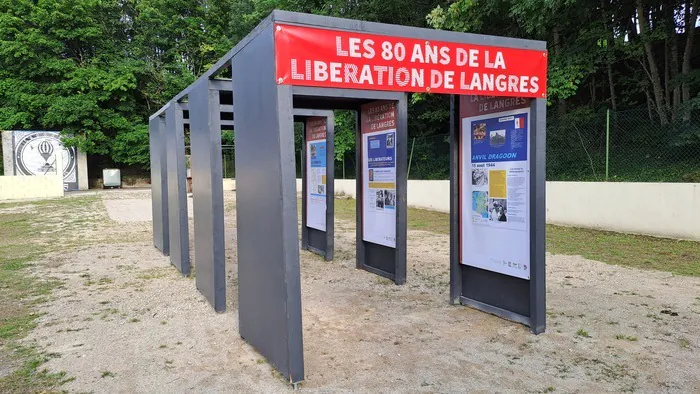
x=607 y=144
x=410 y=158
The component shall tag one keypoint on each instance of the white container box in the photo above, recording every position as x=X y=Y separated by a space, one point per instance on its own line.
x=111 y=177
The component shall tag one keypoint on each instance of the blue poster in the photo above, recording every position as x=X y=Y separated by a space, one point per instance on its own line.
x=317 y=161
x=381 y=150
x=499 y=139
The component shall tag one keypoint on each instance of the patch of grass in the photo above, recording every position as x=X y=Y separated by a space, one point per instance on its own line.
x=583 y=333
x=154 y=273
x=134 y=320
x=678 y=257
x=626 y=337
x=107 y=374
x=27 y=232
x=684 y=343
x=163 y=346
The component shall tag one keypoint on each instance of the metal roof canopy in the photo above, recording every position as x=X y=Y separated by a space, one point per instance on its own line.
x=267 y=224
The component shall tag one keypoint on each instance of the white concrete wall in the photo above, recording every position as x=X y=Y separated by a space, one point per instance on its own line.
x=83 y=183
x=7 y=153
x=28 y=187
x=660 y=209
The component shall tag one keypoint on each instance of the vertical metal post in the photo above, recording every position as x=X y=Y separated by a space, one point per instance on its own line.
x=410 y=158
x=538 y=185
x=304 y=190
x=208 y=194
x=455 y=140
x=159 y=204
x=401 y=188
x=330 y=187
x=607 y=144
x=163 y=152
x=177 y=190
x=359 y=196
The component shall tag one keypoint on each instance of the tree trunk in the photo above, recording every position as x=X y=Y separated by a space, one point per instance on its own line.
x=685 y=68
x=673 y=101
x=653 y=69
x=609 y=52
x=561 y=103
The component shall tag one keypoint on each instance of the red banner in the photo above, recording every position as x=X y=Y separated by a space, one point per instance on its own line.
x=378 y=116
x=340 y=59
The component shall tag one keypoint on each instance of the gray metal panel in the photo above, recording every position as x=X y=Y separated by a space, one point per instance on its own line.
x=269 y=288
x=455 y=269
x=402 y=31
x=401 y=188
x=177 y=193
x=538 y=149
x=163 y=152
x=156 y=191
x=208 y=194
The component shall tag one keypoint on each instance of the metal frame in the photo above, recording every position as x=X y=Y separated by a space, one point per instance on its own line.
x=519 y=300
x=159 y=184
x=319 y=242
x=208 y=192
x=377 y=258
x=177 y=191
x=268 y=248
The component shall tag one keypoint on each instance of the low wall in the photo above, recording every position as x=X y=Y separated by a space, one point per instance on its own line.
x=660 y=209
x=27 y=187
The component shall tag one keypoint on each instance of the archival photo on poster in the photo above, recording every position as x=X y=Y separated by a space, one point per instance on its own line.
x=495 y=187
x=316 y=173
x=379 y=173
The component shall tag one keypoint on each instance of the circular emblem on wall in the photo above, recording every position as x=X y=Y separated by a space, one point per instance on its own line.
x=35 y=155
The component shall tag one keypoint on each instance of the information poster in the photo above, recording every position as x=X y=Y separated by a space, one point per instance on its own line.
x=378 y=126
x=316 y=173
x=495 y=184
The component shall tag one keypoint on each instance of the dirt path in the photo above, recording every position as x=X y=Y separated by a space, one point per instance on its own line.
x=125 y=321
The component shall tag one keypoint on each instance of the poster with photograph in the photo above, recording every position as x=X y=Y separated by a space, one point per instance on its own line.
x=316 y=173
x=495 y=178
x=379 y=173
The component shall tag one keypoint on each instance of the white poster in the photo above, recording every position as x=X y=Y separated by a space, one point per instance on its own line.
x=495 y=187
x=316 y=173
x=379 y=173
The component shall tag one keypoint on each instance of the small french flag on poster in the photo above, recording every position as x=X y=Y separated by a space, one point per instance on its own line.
x=519 y=122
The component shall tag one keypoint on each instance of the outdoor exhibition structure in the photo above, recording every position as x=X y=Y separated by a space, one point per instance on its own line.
x=292 y=67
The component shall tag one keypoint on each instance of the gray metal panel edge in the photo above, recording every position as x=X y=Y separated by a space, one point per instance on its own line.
x=221 y=63
x=334 y=23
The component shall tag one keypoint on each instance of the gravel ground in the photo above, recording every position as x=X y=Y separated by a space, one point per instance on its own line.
x=126 y=321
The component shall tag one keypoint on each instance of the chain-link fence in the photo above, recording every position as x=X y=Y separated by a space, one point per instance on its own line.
x=624 y=146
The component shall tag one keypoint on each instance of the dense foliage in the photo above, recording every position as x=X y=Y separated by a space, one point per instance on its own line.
x=95 y=69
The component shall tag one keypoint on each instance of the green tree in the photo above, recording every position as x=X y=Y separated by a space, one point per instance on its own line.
x=66 y=65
